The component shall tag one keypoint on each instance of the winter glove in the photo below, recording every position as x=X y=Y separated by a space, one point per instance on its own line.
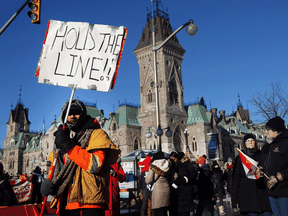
x=259 y=172
x=47 y=188
x=113 y=173
x=63 y=140
x=272 y=181
x=181 y=181
x=280 y=177
x=174 y=186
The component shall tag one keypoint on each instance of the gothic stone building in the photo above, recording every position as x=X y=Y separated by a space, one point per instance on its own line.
x=192 y=126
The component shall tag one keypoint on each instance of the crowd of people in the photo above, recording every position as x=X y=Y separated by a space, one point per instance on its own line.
x=85 y=174
x=179 y=187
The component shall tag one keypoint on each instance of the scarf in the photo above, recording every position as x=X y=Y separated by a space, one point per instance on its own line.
x=230 y=167
x=62 y=177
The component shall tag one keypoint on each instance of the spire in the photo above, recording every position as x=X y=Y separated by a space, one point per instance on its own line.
x=20 y=101
x=157 y=12
x=162 y=28
x=239 y=104
x=43 y=129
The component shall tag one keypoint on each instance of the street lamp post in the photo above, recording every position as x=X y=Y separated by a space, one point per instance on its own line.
x=191 y=30
x=186 y=133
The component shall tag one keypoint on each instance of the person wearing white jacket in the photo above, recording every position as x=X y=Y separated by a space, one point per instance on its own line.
x=162 y=176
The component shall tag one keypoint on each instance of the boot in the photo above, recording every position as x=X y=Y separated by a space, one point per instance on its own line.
x=221 y=210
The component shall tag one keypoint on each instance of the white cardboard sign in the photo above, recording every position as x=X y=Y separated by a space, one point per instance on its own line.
x=81 y=54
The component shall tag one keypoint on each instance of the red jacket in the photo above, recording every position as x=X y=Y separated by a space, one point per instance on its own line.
x=146 y=164
x=114 y=197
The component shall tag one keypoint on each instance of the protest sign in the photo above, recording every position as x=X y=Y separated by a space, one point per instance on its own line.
x=22 y=189
x=81 y=54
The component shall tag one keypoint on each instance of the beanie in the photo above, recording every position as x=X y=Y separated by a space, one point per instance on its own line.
x=248 y=136
x=276 y=124
x=229 y=159
x=201 y=161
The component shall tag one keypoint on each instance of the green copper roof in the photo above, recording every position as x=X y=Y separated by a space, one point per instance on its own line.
x=94 y=112
x=127 y=115
x=106 y=124
x=235 y=127
x=198 y=113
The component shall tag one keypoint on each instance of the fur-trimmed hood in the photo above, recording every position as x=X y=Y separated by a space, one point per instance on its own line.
x=160 y=167
x=184 y=159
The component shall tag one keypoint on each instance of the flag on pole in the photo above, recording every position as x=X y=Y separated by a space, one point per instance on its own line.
x=249 y=165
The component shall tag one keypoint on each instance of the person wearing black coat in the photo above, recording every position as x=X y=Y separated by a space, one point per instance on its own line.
x=253 y=198
x=184 y=185
x=173 y=208
x=228 y=174
x=205 y=187
x=274 y=160
x=146 y=194
x=228 y=177
x=218 y=180
x=7 y=195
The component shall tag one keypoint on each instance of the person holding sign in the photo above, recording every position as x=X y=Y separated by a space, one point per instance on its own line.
x=80 y=183
x=250 y=191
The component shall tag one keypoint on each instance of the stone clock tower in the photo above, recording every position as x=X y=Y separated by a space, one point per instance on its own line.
x=170 y=86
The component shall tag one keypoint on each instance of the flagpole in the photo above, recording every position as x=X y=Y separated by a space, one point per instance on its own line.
x=255 y=166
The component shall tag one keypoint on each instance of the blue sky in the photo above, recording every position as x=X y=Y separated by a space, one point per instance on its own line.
x=240 y=47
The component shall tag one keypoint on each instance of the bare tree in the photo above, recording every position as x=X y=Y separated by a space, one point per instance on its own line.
x=271 y=103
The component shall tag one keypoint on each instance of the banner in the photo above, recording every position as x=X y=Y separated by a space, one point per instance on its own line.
x=81 y=54
x=249 y=165
x=22 y=189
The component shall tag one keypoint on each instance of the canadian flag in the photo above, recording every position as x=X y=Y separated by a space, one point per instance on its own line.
x=249 y=165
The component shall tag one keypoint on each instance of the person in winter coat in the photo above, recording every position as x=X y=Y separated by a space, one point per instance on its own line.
x=184 y=184
x=160 y=173
x=205 y=187
x=7 y=195
x=80 y=184
x=173 y=208
x=253 y=198
x=228 y=177
x=116 y=175
x=274 y=160
x=146 y=194
x=218 y=180
x=36 y=180
x=228 y=174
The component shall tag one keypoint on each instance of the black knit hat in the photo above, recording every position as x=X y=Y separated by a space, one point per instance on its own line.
x=247 y=136
x=276 y=124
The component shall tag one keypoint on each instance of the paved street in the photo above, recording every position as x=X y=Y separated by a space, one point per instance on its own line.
x=136 y=211
x=227 y=206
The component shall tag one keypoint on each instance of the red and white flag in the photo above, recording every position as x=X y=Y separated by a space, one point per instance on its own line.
x=249 y=165
x=22 y=189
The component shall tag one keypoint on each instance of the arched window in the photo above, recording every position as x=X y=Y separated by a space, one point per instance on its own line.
x=136 y=143
x=12 y=142
x=150 y=98
x=27 y=162
x=194 y=144
x=114 y=127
